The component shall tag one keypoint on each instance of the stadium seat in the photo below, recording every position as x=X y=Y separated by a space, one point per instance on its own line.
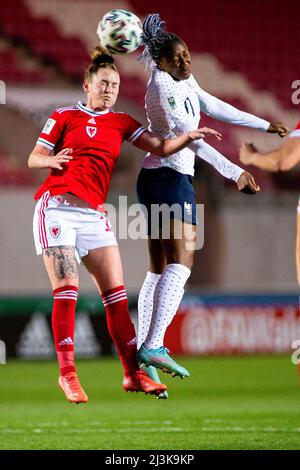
x=249 y=37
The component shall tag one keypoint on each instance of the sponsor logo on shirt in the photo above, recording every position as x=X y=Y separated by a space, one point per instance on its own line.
x=172 y=102
x=92 y=121
x=49 y=126
x=91 y=131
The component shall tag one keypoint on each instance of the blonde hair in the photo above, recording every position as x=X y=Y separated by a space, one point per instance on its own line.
x=101 y=59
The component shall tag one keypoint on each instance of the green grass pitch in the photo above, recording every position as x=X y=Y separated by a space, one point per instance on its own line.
x=227 y=403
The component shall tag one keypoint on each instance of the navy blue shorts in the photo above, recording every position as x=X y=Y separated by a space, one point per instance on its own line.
x=166 y=186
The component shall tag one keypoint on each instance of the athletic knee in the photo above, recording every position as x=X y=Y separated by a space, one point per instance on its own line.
x=157 y=268
x=186 y=259
x=58 y=284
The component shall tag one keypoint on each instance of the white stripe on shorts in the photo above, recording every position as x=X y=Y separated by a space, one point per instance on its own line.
x=41 y=222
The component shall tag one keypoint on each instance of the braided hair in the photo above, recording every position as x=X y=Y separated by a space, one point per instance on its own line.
x=101 y=59
x=156 y=42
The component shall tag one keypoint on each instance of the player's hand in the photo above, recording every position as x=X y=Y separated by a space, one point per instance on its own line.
x=64 y=156
x=247 y=153
x=204 y=132
x=246 y=184
x=278 y=128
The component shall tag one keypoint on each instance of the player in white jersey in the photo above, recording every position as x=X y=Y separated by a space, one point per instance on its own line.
x=284 y=158
x=70 y=220
x=174 y=101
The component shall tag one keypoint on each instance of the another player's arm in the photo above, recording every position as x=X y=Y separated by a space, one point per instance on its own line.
x=174 y=119
x=282 y=159
x=166 y=147
x=42 y=158
x=223 y=111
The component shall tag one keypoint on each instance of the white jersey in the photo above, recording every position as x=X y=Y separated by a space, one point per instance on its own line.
x=174 y=106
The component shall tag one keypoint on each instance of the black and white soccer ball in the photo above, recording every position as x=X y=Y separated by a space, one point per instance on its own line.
x=120 y=31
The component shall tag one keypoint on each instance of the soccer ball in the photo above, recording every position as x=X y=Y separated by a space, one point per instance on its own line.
x=120 y=31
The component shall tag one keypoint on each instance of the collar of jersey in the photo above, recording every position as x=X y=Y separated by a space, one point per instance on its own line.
x=89 y=111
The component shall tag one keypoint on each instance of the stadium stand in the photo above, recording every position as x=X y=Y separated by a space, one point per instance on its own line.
x=43 y=38
x=13 y=70
x=257 y=38
x=10 y=176
x=251 y=39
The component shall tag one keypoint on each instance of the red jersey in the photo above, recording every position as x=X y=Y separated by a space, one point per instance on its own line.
x=96 y=139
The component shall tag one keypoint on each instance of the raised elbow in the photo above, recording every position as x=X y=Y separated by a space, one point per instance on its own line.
x=163 y=151
x=29 y=162
x=275 y=167
x=286 y=164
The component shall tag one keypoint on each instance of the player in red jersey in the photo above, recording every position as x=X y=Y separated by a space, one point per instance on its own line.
x=283 y=158
x=81 y=145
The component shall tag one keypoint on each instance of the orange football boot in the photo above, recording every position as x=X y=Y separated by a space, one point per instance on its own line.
x=141 y=382
x=70 y=385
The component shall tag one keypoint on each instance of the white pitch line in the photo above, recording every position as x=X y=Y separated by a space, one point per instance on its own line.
x=93 y=430
x=100 y=423
x=148 y=421
x=245 y=430
x=13 y=431
x=235 y=429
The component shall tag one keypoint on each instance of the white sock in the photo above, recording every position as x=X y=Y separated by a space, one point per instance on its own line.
x=145 y=306
x=167 y=297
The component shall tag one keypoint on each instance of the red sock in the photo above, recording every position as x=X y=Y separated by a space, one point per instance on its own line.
x=63 y=325
x=120 y=327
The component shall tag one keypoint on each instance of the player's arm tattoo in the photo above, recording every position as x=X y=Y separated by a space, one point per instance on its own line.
x=64 y=261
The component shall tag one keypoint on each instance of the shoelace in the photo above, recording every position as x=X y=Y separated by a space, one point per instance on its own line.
x=163 y=350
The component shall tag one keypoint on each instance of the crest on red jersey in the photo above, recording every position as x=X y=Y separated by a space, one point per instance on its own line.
x=55 y=230
x=91 y=131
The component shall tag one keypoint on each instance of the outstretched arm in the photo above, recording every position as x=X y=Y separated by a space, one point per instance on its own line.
x=166 y=147
x=245 y=181
x=218 y=109
x=174 y=116
x=282 y=159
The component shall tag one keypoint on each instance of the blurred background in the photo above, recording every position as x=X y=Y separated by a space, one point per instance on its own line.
x=242 y=295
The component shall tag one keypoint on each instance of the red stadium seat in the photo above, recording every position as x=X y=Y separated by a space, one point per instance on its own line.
x=246 y=36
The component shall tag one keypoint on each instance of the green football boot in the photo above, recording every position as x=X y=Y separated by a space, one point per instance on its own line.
x=160 y=359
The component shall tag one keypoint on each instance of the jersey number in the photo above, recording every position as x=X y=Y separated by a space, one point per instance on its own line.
x=189 y=107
